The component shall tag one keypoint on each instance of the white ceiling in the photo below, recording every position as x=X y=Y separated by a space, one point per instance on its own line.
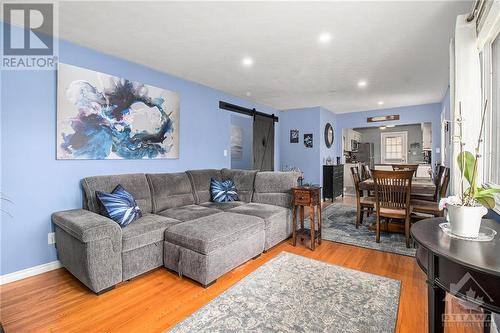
x=400 y=48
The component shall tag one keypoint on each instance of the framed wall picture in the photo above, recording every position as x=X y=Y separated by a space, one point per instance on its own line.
x=236 y=143
x=294 y=136
x=308 y=140
x=329 y=136
x=103 y=117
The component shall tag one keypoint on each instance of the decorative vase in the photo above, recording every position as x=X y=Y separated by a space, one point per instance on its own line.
x=465 y=221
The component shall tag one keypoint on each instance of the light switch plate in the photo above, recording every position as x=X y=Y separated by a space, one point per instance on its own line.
x=51 y=238
x=225 y=152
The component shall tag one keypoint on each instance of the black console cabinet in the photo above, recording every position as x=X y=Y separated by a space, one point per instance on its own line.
x=333 y=181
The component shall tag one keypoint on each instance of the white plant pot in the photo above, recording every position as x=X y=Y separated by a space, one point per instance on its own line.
x=465 y=221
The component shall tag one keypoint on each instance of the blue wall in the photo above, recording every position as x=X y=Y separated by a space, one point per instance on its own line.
x=246 y=124
x=38 y=184
x=408 y=115
x=327 y=116
x=296 y=154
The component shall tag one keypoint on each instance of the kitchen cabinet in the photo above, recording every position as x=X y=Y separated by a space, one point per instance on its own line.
x=426 y=136
x=348 y=181
x=348 y=135
x=423 y=171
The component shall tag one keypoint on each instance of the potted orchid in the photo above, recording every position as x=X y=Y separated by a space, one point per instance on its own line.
x=466 y=210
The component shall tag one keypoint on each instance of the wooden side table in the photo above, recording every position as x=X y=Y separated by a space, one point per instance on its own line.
x=307 y=196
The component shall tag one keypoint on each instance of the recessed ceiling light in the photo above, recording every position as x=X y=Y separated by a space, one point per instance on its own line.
x=324 y=37
x=380 y=102
x=362 y=83
x=248 y=93
x=247 y=61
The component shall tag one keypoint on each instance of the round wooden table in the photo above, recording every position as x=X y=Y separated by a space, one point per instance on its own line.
x=467 y=269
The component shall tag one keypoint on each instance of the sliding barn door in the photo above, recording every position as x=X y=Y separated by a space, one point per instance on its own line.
x=263 y=143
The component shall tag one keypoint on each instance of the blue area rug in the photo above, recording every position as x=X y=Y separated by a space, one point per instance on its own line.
x=291 y=293
x=339 y=225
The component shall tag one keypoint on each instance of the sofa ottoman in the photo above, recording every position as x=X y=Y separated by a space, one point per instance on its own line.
x=278 y=220
x=206 y=248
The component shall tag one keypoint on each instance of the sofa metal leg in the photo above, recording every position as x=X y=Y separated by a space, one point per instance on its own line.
x=105 y=290
x=208 y=284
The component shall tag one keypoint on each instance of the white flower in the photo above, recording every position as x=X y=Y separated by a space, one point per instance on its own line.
x=451 y=200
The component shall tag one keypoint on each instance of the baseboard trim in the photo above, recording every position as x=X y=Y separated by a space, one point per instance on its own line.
x=32 y=271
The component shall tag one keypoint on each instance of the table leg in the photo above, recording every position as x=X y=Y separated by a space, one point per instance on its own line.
x=487 y=321
x=319 y=224
x=294 y=226
x=312 y=223
x=302 y=217
x=435 y=297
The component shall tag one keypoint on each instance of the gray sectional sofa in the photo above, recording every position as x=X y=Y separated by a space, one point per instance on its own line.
x=180 y=229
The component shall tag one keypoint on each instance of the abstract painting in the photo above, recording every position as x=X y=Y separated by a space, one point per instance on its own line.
x=308 y=140
x=294 y=136
x=236 y=142
x=100 y=116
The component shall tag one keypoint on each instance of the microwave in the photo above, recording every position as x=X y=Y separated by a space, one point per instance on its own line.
x=354 y=145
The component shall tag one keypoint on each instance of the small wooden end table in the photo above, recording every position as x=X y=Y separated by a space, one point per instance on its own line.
x=311 y=197
x=467 y=269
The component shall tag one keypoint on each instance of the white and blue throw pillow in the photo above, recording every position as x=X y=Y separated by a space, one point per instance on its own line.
x=120 y=206
x=223 y=190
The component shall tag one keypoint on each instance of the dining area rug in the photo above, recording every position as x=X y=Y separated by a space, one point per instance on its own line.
x=339 y=225
x=292 y=293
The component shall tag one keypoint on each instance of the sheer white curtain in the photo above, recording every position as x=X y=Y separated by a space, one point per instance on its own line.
x=465 y=92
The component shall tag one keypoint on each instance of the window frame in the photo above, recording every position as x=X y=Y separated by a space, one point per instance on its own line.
x=486 y=60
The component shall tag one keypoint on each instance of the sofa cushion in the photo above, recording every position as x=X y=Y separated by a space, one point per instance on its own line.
x=224 y=206
x=210 y=233
x=189 y=212
x=169 y=190
x=275 y=181
x=200 y=180
x=278 y=221
x=146 y=230
x=135 y=183
x=264 y=211
x=244 y=181
x=274 y=187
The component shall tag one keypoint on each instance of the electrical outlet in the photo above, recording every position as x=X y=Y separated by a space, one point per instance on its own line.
x=51 y=238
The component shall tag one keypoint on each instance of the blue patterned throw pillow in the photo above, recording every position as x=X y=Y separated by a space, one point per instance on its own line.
x=223 y=190
x=120 y=206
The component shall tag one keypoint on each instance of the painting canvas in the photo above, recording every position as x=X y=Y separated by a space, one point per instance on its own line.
x=294 y=136
x=100 y=116
x=308 y=140
x=236 y=142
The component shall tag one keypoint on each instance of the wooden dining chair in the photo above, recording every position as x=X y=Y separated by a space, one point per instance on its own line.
x=392 y=198
x=362 y=203
x=405 y=167
x=423 y=208
x=439 y=178
x=366 y=172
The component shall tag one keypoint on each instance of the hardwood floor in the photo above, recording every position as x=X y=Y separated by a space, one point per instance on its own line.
x=57 y=302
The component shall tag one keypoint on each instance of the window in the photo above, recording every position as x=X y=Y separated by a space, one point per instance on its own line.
x=493 y=174
x=394 y=147
x=489 y=43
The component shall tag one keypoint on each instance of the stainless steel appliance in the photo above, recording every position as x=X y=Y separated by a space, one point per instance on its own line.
x=365 y=154
x=354 y=145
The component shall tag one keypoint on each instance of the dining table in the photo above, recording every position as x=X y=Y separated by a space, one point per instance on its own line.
x=419 y=186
